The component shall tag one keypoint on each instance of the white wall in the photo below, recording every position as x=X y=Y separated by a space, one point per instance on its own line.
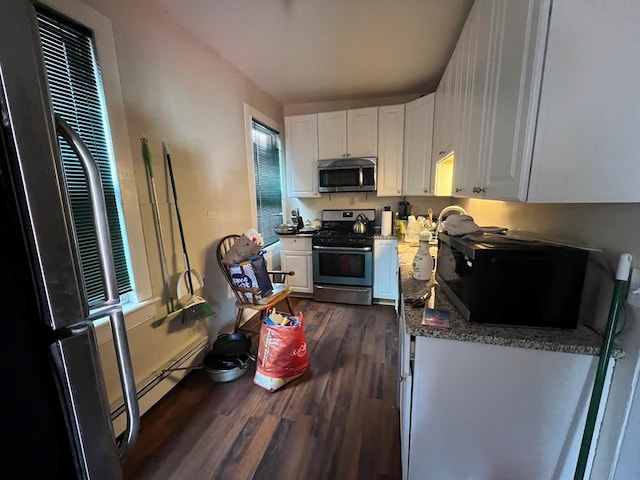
x=614 y=228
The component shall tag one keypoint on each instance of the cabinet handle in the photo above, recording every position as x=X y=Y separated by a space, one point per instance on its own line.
x=458 y=189
x=478 y=190
x=441 y=152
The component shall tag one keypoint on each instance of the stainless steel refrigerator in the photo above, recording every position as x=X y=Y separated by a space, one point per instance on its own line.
x=54 y=410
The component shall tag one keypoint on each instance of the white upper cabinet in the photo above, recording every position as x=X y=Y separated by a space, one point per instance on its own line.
x=362 y=132
x=301 y=146
x=332 y=135
x=348 y=133
x=548 y=110
x=418 y=131
x=587 y=146
x=390 y=148
x=443 y=111
x=468 y=173
x=516 y=57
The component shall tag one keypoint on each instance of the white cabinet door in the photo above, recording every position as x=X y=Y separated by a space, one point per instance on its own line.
x=587 y=147
x=469 y=165
x=480 y=411
x=437 y=149
x=301 y=140
x=300 y=262
x=444 y=131
x=516 y=52
x=348 y=133
x=362 y=132
x=418 y=131
x=385 y=269
x=332 y=135
x=391 y=145
x=405 y=383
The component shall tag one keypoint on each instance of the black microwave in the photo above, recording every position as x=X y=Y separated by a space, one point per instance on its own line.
x=497 y=280
x=347 y=175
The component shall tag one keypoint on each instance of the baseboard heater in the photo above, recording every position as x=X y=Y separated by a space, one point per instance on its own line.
x=159 y=383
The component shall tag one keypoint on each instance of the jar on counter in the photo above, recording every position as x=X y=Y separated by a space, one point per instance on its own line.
x=422 y=261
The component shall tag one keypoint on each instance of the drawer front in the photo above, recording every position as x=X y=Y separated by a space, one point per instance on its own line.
x=295 y=243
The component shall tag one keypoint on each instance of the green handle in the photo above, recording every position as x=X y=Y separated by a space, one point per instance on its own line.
x=617 y=304
x=146 y=155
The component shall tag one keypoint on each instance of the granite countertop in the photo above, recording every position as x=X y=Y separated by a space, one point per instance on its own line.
x=581 y=340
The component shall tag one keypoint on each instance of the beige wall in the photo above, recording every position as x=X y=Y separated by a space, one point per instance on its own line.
x=177 y=89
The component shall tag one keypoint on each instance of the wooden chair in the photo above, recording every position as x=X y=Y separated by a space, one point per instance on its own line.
x=247 y=298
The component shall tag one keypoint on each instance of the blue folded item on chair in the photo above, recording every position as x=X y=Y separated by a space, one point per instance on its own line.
x=252 y=273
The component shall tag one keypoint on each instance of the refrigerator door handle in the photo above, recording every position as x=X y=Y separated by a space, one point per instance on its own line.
x=116 y=317
x=96 y=196
x=127 y=382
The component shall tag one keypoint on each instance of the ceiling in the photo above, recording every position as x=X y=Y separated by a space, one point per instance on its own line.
x=303 y=51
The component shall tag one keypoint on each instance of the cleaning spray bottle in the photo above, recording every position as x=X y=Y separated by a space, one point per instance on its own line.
x=422 y=261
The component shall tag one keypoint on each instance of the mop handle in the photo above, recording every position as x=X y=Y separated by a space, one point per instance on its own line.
x=617 y=302
x=146 y=156
x=167 y=156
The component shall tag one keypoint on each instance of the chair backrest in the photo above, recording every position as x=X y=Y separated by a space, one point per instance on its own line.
x=224 y=245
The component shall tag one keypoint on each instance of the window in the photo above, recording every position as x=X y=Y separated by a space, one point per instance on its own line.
x=268 y=184
x=75 y=87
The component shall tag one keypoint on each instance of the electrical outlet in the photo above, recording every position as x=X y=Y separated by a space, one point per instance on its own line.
x=212 y=214
x=633 y=298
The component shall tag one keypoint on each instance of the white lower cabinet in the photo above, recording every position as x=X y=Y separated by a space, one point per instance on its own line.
x=385 y=269
x=405 y=384
x=295 y=255
x=472 y=410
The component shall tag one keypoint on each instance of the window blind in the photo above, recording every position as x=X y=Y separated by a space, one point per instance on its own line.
x=75 y=88
x=266 y=165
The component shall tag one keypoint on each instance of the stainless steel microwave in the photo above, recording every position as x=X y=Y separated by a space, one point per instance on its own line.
x=347 y=175
x=498 y=280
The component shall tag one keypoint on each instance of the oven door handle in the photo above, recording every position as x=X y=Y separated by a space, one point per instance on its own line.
x=345 y=249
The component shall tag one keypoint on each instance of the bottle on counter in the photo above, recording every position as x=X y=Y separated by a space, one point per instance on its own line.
x=385 y=228
x=423 y=261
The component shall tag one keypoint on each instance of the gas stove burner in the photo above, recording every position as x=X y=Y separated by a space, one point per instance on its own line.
x=338 y=233
x=333 y=238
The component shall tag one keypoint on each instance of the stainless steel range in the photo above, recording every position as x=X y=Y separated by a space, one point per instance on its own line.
x=342 y=259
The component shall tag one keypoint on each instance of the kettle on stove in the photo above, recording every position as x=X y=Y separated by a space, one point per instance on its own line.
x=360 y=225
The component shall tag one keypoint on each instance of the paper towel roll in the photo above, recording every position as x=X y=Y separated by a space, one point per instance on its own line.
x=385 y=224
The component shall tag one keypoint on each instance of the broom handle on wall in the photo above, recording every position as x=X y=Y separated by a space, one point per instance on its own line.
x=146 y=156
x=167 y=156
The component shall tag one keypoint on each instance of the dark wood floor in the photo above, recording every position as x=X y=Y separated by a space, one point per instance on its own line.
x=338 y=421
